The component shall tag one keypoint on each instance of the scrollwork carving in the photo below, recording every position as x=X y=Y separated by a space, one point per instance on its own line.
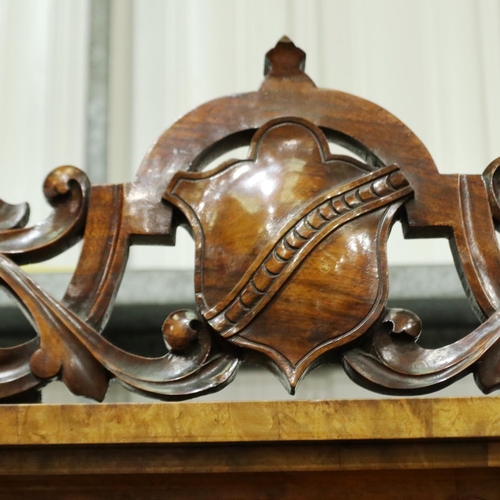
x=291 y=264
x=66 y=189
x=396 y=363
x=71 y=349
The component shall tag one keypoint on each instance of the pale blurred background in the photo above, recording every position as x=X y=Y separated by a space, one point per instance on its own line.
x=433 y=63
x=94 y=82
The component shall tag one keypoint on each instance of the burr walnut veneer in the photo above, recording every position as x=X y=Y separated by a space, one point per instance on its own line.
x=437 y=449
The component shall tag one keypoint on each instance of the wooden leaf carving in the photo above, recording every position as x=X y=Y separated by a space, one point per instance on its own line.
x=291 y=265
x=66 y=189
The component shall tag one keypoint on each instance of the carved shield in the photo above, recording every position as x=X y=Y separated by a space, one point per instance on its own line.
x=290 y=244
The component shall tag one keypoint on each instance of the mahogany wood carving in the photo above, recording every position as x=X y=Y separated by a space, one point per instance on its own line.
x=291 y=266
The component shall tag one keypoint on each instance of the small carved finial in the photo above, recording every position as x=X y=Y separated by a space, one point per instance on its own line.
x=180 y=329
x=285 y=60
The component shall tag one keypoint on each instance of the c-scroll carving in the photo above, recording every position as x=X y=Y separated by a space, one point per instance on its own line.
x=67 y=190
x=291 y=250
x=71 y=349
x=395 y=364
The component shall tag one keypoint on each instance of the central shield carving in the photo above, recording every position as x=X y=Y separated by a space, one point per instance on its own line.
x=290 y=244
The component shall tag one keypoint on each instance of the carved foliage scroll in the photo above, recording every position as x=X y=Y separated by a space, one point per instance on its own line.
x=291 y=265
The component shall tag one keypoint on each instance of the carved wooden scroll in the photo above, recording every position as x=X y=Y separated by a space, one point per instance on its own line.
x=291 y=266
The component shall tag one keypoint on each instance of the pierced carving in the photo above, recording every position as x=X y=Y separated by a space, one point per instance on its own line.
x=291 y=265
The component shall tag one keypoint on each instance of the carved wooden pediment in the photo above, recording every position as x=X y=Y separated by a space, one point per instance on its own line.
x=270 y=223
x=291 y=265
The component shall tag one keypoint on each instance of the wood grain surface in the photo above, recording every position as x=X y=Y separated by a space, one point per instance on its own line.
x=452 y=484
x=250 y=422
x=442 y=449
x=218 y=458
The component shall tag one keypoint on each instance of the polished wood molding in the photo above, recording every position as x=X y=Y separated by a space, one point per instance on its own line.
x=459 y=484
x=435 y=449
x=216 y=458
x=244 y=422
